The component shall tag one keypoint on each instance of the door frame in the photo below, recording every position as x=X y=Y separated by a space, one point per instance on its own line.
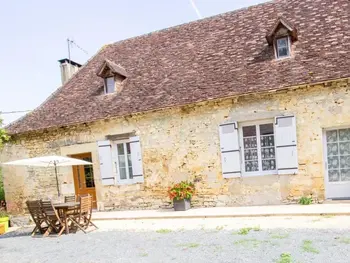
x=325 y=162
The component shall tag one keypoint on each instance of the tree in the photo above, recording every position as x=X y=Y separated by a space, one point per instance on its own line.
x=3 y=135
x=3 y=138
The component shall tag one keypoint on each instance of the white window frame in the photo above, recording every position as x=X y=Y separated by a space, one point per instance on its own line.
x=288 y=45
x=120 y=181
x=256 y=124
x=106 y=87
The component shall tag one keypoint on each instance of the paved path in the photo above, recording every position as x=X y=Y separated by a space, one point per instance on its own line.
x=267 y=239
x=221 y=212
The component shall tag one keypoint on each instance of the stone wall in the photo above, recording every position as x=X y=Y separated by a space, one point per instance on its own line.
x=183 y=143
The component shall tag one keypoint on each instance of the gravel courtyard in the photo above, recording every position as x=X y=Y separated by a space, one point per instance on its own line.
x=274 y=239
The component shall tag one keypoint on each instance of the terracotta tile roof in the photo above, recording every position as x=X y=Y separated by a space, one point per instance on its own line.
x=220 y=56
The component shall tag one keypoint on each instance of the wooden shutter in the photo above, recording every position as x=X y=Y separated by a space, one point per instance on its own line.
x=106 y=165
x=136 y=159
x=286 y=145
x=230 y=151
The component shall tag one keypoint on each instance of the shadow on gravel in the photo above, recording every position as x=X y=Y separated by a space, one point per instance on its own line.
x=17 y=233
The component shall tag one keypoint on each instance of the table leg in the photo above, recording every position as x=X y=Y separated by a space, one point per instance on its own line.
x=66 y=220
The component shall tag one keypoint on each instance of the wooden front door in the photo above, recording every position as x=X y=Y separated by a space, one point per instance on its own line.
x=84 y=177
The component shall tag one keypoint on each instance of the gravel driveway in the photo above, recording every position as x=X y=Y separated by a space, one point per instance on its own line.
x=215 y=240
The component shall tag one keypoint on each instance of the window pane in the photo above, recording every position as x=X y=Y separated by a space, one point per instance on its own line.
x=250 y=142
x=121 y=159
x=282 y=47
x=333 y=175
x=267 y=143
x=128 y=148
x=344 y=148
x=120 y=148
x=332 y=149
x=110 y=85
x=250 y=149
x=251 y=154
x=130 y=166
x=345 y=174
x=130 y=173
x=249 y=131
x=331 y=136
x=122 y=172
x=344 y=161
x=266 y=129
x=333 y=162
x=251 y=166
x=269 y=165
x=268 y=153
x=344 y=135
x=283 y=52
x=282 y=42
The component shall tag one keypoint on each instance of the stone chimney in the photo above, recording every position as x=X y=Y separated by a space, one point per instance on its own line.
x=68 y=68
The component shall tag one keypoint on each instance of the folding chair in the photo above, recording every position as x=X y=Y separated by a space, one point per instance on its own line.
x=82 y=219
x=38 y=217
x=52 y=218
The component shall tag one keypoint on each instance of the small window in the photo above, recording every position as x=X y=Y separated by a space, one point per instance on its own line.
x=258 y=144
x=282 y=47
x=109 y=85
x=124 y=164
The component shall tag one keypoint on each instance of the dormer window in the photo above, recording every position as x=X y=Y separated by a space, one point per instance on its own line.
x=281 y=37
x=282 y=47
x=113 y=76
x=109 y=85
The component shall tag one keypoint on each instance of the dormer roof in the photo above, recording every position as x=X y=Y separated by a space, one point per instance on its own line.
x=110 y=68
x=280 y=24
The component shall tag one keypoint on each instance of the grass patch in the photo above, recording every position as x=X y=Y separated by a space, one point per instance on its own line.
x=256 y=228
x=219 y=228
x=307 y=247
x=164 y=231
x=280 y=236
x=328 y=216
x=244 y=231
x=189 y=245
x=344 y=240
x=285 y=258
x=305 y=200
x=252 y=242
x=143 y=254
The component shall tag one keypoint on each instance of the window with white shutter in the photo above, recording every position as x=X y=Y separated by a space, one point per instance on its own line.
x=258 y=148
x=286 y=145
x=106 y=165
x=128 y=160
x=230 y=151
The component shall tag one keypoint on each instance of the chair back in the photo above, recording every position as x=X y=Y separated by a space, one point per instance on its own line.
x=70 y=198
x=35 y=210
x=48 y=208
x=85 y=204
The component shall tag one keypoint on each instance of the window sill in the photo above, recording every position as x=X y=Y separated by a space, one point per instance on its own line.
x=257 y=174
x=127 y=182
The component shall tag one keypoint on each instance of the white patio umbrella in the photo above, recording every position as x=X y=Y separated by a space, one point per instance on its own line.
x=49 y=161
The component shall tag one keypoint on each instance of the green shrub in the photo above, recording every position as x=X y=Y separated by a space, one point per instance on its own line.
x=2 y=191
x=305 y=200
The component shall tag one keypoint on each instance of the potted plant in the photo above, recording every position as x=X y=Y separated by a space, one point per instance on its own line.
x=4 y=221
x=181 y=195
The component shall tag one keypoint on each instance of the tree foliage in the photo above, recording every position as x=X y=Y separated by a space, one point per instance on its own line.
x=3 y=138
x=3 y=135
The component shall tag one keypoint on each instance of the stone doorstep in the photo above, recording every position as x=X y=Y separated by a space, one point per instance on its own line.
x=229 y=212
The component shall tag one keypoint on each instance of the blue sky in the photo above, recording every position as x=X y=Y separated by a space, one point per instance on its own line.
x=34 y=37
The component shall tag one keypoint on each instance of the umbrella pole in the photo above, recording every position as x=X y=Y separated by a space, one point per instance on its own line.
x=58 y=189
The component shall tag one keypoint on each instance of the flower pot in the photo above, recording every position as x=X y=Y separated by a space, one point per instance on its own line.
x=182 y=205
x=4 y=221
